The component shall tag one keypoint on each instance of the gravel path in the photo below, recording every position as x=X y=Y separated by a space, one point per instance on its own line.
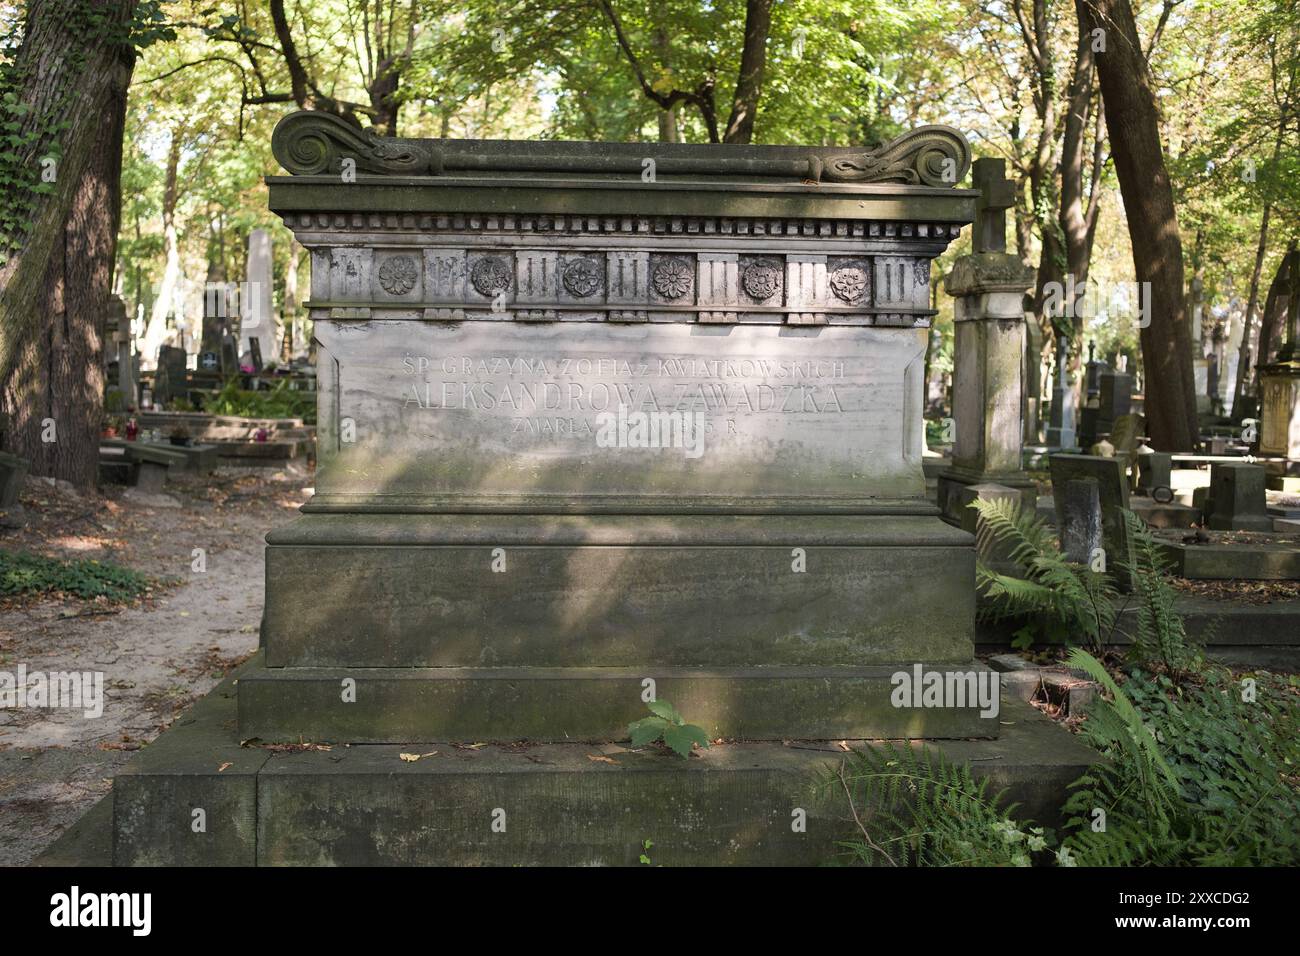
x=157 y=655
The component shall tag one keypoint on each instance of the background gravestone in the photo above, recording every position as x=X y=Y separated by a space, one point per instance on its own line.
x=1033 y=374
x=171 y=378
x=1115 y=399
x=1155 y=471
x=1081 y=524
x=1237 y=500
x=1112 y=493
x=1061 y=430
x=988 y=346
x=117 y=329
x=229 y=356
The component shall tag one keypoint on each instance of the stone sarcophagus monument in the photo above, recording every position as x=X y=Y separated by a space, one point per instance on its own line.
x=600 y=418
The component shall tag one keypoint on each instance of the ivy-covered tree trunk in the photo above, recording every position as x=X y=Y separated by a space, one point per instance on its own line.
x=73 y=68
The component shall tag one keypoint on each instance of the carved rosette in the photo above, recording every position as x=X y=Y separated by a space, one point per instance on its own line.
x=849 y=284
x=761 y=279
x=582 y=278
x=490 y=276
x=673 y=278
x=397 y=275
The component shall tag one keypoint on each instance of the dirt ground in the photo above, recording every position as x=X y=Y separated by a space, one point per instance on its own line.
x=158 y=655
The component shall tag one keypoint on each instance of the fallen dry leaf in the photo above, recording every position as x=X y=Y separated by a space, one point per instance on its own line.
x=224 y=766
x=600 y=758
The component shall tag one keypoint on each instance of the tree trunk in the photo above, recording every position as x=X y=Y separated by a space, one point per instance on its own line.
x=216 y=300
x=62 y=80
x=53 y=396
x=1246 y=350
x=1247 y=383
x=1043 y=198
x=156 y=331
x=753 y=61
x=1272 y=324
x=1133 y=123
x=1074 y=221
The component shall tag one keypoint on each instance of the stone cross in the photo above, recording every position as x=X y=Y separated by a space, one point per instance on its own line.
x=997 y=195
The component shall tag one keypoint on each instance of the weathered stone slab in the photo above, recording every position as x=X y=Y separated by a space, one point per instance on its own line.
x=393 y=705
x=730 y=805
x=190 y=797
x=365 y=805
x=488 y=590
x=205 y=427
x=503 y=412
x=1258 y=560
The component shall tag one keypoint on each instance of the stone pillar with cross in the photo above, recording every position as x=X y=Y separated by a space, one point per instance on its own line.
x=989 y=286
x=1279 y=391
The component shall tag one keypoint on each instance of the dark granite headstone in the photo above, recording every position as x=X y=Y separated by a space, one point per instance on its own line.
x=1112 y=492
x=170 y=380
x=1236 y=501
x=1115 y=399
x=1081 y=524
x=229 y=356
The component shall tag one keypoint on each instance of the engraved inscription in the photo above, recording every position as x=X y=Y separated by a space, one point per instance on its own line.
x=445 y=403
x=558 y=396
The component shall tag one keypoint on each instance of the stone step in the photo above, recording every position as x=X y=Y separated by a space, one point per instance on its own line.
x=574 y=804
x=494 y=590
x=392 y=705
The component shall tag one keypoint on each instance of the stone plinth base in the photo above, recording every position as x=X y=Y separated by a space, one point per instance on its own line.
x=365 y=805
x=501 y=627
x=634 y=591
x=392 y=705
